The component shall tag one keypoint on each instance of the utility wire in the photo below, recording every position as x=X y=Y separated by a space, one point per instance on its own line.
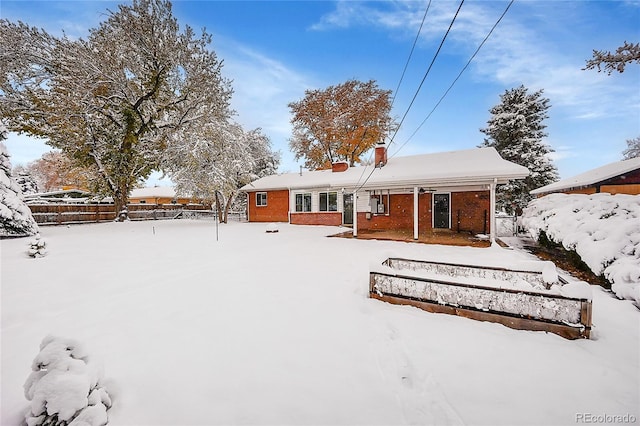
x=417 y=90
x=406 y=65
x=456 y=79
x=426 y=73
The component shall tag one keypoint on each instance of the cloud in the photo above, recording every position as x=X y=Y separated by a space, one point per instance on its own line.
x=263 y=87
x=527 y=47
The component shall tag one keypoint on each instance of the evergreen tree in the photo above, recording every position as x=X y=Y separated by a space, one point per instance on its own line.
x=16 y=219
x=516 y=130
x=25 y=180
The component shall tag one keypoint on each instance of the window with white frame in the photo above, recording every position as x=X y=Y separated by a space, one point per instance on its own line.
x=261 y=198
x=303 y=202
x=328 y=201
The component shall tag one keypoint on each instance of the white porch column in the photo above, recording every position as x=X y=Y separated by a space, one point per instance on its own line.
x=492 y=212
x=415 y=212
x=355 y=213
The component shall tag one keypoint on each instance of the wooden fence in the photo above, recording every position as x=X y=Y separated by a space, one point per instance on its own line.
x=519 y=309
x=63 y=214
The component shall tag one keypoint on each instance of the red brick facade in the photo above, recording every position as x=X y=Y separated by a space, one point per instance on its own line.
x=400 y=214
x=276 y=210
x=323 y=218
x=469 y=211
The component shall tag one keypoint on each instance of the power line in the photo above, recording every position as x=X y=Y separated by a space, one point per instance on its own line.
x=406 y=65
x=456 y=79
x=417 y=90
x=395 y=93
x=426 y=73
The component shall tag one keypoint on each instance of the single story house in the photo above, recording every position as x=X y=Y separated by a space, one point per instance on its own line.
x=621 y=177
x=448 y=190
x=159 y=195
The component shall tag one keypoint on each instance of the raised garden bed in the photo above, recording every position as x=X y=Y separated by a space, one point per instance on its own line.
x=454 y=289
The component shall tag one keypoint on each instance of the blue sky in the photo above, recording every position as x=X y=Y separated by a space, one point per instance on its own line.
x=275 y=50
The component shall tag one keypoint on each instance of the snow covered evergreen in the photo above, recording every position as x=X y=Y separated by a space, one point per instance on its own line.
x=603 y=229
x=16 y=219
x=516 y=131
x=27 y=183
x=64 y=387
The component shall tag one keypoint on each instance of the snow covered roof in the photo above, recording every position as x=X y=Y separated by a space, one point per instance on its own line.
x=154 y=192
x=592 y=177
x=60 y=193
x=464 y=167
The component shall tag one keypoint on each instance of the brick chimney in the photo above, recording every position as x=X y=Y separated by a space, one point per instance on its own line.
x=339 y=166
x=381 y=155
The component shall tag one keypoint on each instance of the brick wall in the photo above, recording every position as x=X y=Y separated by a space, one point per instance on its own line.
x=323 y=218
x=276 y=210
x=471 y=207
x=400 y=214
x=468 y=211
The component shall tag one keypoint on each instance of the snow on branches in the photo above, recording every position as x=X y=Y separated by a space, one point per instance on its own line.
x=214 y=161
x=516 y=130
x=114 y=100
x=616 y=61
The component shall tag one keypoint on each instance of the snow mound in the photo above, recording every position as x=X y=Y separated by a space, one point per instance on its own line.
x=603 y=229
x=64 y=386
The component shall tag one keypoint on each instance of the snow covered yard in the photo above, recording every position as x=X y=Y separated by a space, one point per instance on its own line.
x=277 y=328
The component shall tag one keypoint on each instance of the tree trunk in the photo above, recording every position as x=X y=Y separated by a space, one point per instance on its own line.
x=120 y=200
x=227 y=206
x=219 y=208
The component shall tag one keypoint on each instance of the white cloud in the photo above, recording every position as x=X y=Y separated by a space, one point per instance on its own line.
x=526 y=48
x=263 y=87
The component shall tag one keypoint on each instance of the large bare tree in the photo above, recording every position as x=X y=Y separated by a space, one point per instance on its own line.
x=340 y=123
x=114 y=100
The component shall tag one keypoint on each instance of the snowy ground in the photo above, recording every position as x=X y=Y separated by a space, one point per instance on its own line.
x=277 y=328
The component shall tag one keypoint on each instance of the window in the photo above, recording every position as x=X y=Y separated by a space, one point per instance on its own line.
x=261 y=198
x=303 y=202
x=328 y=201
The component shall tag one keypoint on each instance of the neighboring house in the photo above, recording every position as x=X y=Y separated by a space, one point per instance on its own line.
x=449 y=190
x=158 y=195
x=67 y=196
x=621 y=177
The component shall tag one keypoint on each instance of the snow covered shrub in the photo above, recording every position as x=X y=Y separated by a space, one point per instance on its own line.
x=37 y=247
x=64 y=387
x=16 y=219
x=603 y=229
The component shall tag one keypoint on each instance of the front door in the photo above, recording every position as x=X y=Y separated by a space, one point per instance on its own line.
x=441 y=211
x=347 y=209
